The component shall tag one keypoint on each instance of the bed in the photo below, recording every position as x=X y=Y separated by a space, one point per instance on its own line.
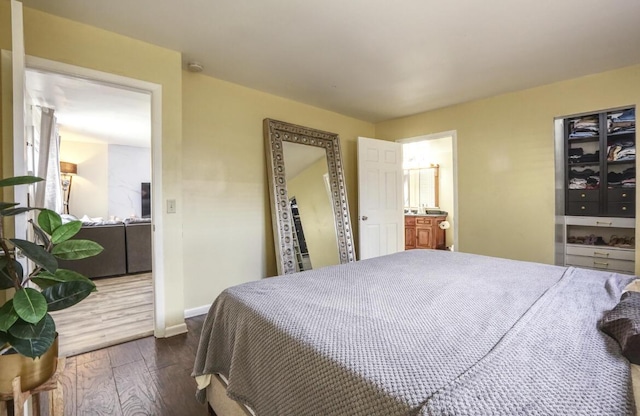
x=420 y=332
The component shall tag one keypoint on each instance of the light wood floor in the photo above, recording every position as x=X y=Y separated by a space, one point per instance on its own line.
x=121 y=310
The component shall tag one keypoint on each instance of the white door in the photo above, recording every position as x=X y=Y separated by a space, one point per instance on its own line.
x=380 y=203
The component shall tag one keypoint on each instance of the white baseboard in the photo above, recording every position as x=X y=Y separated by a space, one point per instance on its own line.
x=200 y=310
x=175 y=330
x=189 y=313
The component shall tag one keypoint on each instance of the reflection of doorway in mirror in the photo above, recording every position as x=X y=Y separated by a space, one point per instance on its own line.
x=303 y=260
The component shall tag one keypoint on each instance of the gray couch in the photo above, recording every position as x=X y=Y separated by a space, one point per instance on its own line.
x=127 y=250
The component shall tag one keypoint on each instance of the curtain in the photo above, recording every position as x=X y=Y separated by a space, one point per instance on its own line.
x=46 y=143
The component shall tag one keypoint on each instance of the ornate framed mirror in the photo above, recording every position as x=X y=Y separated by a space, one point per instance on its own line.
x=310 y=212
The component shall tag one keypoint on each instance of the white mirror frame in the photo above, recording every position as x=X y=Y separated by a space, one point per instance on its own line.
x=275 y=133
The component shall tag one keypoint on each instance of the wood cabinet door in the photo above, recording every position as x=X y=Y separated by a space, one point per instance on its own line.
x=409 y=238
x=440 y=237
x=424 y=237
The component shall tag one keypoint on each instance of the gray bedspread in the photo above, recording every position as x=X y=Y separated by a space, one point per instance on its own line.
x=421 y=332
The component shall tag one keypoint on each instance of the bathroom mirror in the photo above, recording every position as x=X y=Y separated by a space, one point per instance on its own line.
x=310 y=212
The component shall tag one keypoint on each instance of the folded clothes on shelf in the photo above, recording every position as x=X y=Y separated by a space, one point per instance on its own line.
x=584 y=127
x=588 y=157
x=622 y=242
x=584 y=179
x=622 y=122
x=625 y=179
x=593 y=240
x=620 y=150
x=575 y=154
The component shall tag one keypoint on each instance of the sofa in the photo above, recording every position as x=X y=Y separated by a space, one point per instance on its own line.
x=127 y=250
x=138 y=246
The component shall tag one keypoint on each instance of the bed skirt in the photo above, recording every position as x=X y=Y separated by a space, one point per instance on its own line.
x=222 y=405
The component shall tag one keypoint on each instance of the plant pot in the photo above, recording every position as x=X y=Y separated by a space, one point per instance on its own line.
x=32 y=372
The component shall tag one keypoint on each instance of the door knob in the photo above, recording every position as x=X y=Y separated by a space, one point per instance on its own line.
x=364 y=218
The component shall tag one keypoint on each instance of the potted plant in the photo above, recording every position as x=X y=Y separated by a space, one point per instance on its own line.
x=28 y=339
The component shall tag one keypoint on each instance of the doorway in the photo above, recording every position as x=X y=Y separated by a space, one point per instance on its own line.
x=430 y=178
x=106 y=129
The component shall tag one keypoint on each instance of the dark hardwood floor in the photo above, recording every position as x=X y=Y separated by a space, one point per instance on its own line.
x=144 y=377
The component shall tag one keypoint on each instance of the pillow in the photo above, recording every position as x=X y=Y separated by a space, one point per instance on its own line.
x=633 y=286
x=86 y=220
x=68 y=218
x=623 y=324
x=136 y=220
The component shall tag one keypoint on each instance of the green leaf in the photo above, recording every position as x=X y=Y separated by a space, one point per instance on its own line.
x=30 y=305
x=46 y=279
x=25 y=330
x=39 y=255
x=8 y=316
x=7 y=280
x=15 y=211
x=49 y=220
x=64 y=295
x=5 y=205
x=76 y=249
x=37 y=346
x=65 y=232
x=19 y=180
x=4 y=338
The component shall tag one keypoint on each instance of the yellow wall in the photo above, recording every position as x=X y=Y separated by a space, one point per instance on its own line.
x=5 y=43
x=316 y=213
x=66 y=41
x=227 y=220
x=90 y=187
x=506 y=158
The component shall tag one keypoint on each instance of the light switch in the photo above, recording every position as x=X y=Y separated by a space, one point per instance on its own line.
x=171 y=206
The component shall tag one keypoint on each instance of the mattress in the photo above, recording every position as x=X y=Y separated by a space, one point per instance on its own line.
x=421 y=332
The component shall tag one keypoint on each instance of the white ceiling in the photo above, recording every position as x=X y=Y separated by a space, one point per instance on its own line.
x=379 y=59
x=89 y=111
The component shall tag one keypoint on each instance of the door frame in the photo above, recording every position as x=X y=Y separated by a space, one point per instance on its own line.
x=17 y=59
x=454 y=150
x=155 y=92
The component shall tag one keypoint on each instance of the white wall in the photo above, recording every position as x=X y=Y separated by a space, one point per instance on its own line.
x=109 y=177
x=128 y=167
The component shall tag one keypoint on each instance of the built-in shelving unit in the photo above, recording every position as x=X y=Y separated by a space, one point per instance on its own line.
x=598 y=155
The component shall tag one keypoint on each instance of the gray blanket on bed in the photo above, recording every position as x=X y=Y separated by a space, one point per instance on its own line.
x=421 y=332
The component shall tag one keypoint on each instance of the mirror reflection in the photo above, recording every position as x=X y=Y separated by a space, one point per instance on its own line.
x=309 y=192
x=309 y=185
x=421 y=187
